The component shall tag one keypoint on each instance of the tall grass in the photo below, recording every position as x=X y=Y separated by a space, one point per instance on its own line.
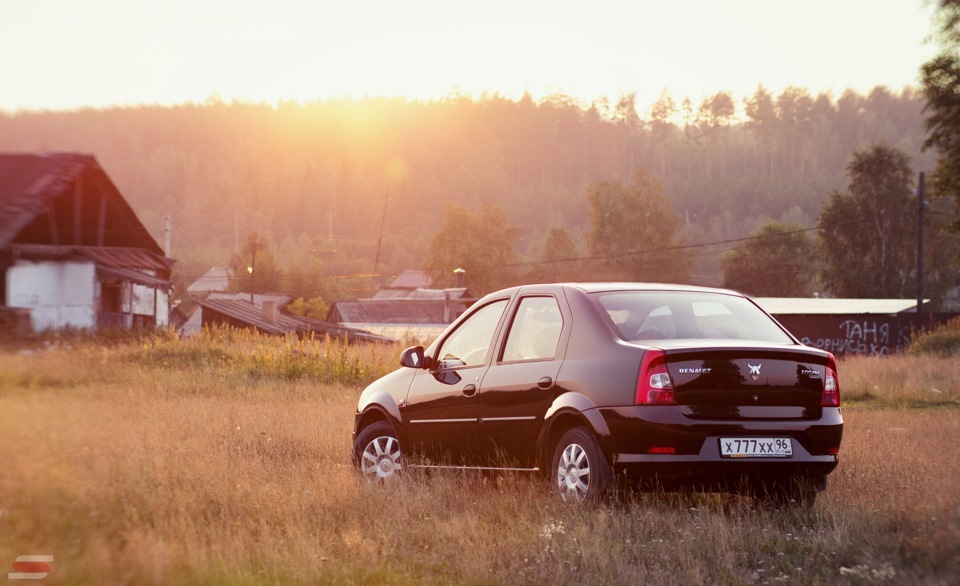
x=942 y=341
x=901 y=380
x=220 y=461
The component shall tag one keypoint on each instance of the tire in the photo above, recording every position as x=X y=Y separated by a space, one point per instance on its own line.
x=377 y=454
x=580 y=471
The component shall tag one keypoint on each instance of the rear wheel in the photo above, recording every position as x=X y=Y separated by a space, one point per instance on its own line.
x=580 y=471
x=376 y=453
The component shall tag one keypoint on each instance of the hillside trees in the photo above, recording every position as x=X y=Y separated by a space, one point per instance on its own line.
x=482 y=244
x=661 y=125
x=762 y=121
x=778 y=261
x=255 y=268
x=941 y=82
x=558 y=260
x=312 y=172
x=633 y=232
x=715 y=115
x=868 y=234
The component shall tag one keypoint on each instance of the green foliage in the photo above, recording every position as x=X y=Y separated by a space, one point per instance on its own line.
x=632 y=230
x=315 y=307
x=320 y=360
x=941 y=81
x=943 y=341
x=867 y=235
x=557 y=259
x=255 y=269
x=257 y=357
x=780 y=261
x=311 y=173
x=481 y=244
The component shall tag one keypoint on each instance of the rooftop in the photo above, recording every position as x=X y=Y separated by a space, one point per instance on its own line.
x=824 y=306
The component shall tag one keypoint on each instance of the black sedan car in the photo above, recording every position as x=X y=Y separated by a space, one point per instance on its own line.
x=599 y=384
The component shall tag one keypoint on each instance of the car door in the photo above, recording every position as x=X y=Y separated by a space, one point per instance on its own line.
x=520 y=386
x=442 y=406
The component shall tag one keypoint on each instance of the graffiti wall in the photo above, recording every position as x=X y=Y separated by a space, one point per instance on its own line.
x=876 y=335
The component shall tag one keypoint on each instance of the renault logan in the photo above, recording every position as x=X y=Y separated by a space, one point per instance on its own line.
x=598 y=384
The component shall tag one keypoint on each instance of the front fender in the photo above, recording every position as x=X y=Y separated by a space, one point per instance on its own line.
x=378 y=406
x=380 y=401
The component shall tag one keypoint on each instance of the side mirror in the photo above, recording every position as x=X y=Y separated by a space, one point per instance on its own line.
x=414 y=358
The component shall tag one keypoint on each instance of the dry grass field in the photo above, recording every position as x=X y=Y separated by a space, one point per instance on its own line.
x=225 y=460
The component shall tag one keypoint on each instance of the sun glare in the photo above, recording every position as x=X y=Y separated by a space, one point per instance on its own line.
x=185 y=51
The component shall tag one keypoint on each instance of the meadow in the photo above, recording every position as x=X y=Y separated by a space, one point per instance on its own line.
x=225 y=459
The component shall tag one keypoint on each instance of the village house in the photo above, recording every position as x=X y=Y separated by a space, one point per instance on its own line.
x=73 y=254
x=404 y=310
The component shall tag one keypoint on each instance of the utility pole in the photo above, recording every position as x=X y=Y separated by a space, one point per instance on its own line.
x=383 y=222
x=166 y=235
x=920 y=214
x=253 y=263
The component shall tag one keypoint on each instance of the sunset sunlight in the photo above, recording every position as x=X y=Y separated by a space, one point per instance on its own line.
x=497 y=292
x=110 y=52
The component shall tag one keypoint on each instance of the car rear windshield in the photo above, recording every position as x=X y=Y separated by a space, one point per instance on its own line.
x=671 y=315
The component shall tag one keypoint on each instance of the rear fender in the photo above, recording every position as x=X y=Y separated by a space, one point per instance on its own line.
x=567 y=411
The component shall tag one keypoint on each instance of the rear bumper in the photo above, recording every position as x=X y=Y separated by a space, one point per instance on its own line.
x=638 y=432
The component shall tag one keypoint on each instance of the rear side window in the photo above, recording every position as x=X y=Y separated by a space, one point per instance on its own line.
x=670 y=315
x=535 y=332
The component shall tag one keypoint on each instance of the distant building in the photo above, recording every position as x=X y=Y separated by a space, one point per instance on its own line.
x=417 y=315
x=411 y=279
x=190 y=325
x=73 y=254
x=217 y=279
x=852 y=326
x=268 y=319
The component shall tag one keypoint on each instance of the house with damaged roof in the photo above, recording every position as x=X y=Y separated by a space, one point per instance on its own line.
x=73 y=254
x=403 y=313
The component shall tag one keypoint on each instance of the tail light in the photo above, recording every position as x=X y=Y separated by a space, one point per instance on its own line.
x=654 y=386
x=831 y=385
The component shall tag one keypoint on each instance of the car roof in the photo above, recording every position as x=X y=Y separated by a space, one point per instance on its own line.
x=606 y=287
x=603 y=287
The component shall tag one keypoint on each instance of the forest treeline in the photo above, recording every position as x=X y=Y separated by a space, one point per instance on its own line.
x=320 y=180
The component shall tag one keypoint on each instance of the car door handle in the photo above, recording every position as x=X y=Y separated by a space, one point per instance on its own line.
x=469 y=390
x=545 y=383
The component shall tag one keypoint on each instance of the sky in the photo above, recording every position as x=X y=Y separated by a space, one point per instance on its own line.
x=68 y=54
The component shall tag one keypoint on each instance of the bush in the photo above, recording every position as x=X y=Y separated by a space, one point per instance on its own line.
x=263 y=357
x=943 y=341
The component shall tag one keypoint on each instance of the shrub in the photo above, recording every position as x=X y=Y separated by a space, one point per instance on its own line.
x=942 y=341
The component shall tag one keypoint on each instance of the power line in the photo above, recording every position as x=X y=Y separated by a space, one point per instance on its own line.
x=670 y=248
x=649 y=262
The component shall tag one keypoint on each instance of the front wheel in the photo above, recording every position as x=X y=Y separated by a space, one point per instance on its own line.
x=376 y=453
x=581 y=473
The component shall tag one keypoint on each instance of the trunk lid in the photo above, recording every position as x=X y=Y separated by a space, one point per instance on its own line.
x=740 y=381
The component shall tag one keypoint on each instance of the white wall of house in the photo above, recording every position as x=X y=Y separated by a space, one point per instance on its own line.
x=148 y=301
x=58 y=294
x=65 y=295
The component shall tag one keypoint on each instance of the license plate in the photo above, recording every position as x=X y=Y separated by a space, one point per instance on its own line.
x=756 y=447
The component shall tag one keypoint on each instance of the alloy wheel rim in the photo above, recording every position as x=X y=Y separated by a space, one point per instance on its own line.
x=573 y=474
x=381 y=459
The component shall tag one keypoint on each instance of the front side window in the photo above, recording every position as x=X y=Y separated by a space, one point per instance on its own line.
x=535 y=332
x=469 y=343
